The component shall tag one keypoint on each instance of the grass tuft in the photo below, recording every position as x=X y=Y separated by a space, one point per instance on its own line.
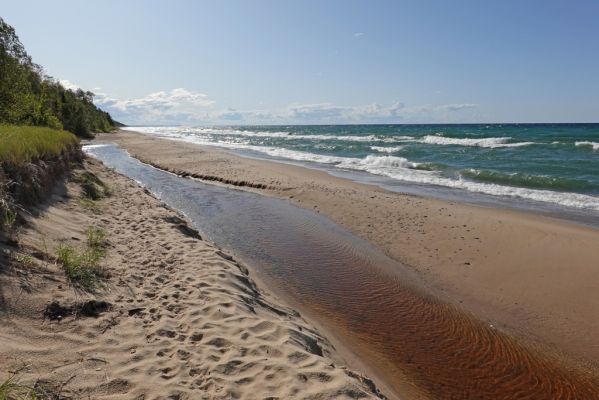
x=91 y=205
x=8 y=216
x=82 y=267
x=93 y=187
x=96 y=238
x=25 y=260
x=12 y=389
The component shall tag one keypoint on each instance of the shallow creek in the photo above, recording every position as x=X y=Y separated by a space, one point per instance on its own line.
x=419 y=345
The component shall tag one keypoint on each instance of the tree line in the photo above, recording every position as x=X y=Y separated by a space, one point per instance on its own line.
x=29 y=97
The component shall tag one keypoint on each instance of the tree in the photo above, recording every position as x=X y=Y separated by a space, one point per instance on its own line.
x=29 y=97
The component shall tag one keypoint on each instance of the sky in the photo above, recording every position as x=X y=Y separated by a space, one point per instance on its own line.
x=310 y=62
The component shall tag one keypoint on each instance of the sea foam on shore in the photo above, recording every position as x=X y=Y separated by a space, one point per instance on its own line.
x=520 y=166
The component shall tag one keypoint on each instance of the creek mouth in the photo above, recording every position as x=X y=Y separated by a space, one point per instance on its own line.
x=376 y=307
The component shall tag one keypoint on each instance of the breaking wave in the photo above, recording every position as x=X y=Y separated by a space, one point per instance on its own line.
x=586 y=143
x=389 y=150
x=492 y=142
x=518 y=185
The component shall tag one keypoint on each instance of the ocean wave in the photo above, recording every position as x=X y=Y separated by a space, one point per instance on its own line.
x=207 y=132
x=492 y=142
x=377 y=162
x=381 y=149
x=430 y=166
x=294 y=136
x=399 y=139
x=586 y=143
x=526 y=180
x=414 y=175
x=402 y=169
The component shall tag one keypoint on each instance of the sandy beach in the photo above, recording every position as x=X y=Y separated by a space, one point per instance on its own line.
x=299 y=200
x=177 y=317
x=532 y=276
x=174 y=318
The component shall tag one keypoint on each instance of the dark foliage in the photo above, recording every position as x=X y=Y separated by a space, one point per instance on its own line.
x=28 y=97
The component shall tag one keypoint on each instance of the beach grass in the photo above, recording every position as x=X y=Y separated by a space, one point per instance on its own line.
x=93 y=187
x=91 y=205
x=23 y=144
x=8 y=215
x=82 y=266
x=12 y=389
x=19 y=146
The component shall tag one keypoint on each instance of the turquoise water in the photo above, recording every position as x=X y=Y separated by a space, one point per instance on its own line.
x=553 y=163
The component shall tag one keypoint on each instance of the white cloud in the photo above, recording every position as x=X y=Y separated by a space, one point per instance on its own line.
x=327 y=113
x=184 y=107
x=68 y=84
x=358 y=34
x=176 y=106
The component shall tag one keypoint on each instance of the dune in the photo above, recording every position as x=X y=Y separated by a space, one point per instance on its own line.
x=175 y=317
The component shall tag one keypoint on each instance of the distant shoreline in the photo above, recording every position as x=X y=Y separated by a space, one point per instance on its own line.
x=378 y=124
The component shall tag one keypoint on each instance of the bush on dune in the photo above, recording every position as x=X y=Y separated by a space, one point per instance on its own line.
x=29 y=97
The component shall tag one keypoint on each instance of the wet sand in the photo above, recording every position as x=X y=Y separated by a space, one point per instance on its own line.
x=530 y=276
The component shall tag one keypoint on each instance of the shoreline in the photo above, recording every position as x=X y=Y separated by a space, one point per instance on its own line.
x=465 y=253
x=579 y=216
x=405 y=169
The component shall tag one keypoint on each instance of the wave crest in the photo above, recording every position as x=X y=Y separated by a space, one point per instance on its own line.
x=526 y=180
x=387 y=161
x=381 y=149
x=492 y=142
x=594 y=145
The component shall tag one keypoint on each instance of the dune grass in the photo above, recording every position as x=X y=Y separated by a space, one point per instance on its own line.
x=8 y=215
x=20 y=145
x=12 y=389
x=82 y=267
x=93 y=187
x=23 y=144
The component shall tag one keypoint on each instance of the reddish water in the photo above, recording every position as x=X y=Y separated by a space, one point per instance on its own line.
x=376 y=305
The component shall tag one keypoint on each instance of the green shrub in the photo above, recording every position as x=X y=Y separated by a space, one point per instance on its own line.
x=29 y=97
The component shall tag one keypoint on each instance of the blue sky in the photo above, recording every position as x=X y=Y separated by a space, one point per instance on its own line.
x=236 y=62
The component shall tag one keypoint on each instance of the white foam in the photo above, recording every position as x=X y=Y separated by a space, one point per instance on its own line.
x=594 y=145
x=492 y=142
x=377 y=162
x=393 y=167
x=435 y=178
x=207 y=132
x=386 y=149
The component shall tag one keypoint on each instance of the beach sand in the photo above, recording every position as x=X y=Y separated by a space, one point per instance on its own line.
x=176 y=318
x=532 y=276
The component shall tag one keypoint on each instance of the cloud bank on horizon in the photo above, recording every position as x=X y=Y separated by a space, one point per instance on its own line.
x=183 y=107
